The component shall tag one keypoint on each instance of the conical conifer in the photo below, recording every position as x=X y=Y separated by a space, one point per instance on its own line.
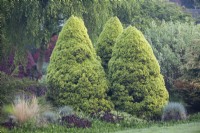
x=137 y=86
x=112 y=29
x=75 y=74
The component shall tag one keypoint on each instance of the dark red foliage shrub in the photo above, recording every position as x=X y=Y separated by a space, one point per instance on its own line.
x=37 y=90
x=8 y=124
x=190 y=92
x=75 y=121
x=109 y=117
x=27 y=70
x=7 y=64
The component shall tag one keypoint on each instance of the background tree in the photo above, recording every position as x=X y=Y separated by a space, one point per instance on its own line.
x=75 y=74
x=28 y=23
x=137 y=86
x=192 y=58
x=170 y=42
x=112 y=29
x=141 y=13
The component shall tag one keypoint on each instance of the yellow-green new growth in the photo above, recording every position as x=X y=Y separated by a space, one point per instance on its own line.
x=112 y=29
x=75 y=74
x=137 y=86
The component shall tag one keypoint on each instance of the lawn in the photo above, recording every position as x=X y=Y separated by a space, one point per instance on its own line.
x=180 y=128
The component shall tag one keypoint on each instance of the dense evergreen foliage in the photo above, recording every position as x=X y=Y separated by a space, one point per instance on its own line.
x=112 y=29
x=75 y=74
x=137 y=86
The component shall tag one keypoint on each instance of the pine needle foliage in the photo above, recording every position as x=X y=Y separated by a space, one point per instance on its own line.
x=75 y=74
x=137 y=87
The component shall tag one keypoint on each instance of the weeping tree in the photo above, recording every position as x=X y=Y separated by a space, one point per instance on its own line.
x=25 y=25
x=137 y=86
x=75 y=74
x=95 y=14
x=112 y=29
x=28 y=24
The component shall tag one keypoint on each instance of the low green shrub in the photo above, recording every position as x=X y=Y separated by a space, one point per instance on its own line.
x=3 y=130
x=7 y=88
x=10 y=86
x=194 y=117
x=174 y=111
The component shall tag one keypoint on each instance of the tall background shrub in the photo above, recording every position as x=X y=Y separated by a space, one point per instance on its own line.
x=173 y=43
x=112 y=29
x=137 y=86
x=176 y=46
x=75 y=74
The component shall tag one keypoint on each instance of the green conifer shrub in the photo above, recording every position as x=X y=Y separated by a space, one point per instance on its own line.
x=137 y=87
x=112 y=29
x=75 y=74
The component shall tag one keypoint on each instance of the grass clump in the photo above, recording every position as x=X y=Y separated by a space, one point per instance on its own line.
x=174 y=111
x=48 y=117
x=25 y=110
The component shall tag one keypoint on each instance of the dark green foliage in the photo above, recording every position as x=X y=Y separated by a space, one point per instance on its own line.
x=192 y=57
x=10 y=86
x=137 y=87
x=112 y=29
x=75 y=74
x=194 y=117
x=174 y=111
x=141 y=13
x=95 y=14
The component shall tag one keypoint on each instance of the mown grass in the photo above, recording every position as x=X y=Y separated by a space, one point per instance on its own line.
x=102 y=127
x=180 y=128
